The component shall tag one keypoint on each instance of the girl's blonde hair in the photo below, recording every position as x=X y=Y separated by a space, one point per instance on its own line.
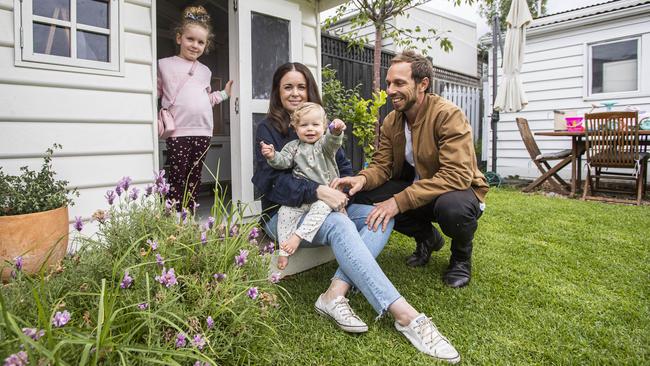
x=306 y=108
x=196 y=15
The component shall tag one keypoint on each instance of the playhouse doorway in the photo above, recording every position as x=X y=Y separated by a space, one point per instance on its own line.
x=218 y=159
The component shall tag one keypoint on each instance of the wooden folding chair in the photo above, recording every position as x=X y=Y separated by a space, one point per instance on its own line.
x=612 y=142
x=549 y=173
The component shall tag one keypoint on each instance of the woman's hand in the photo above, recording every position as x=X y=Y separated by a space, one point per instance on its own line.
x=335 y=199
x=228 y=88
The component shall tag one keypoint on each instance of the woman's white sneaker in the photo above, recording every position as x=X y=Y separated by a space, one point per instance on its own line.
x=341 y=313
x=424 y=335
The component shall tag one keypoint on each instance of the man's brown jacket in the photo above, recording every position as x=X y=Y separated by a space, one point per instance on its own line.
x=443 y=152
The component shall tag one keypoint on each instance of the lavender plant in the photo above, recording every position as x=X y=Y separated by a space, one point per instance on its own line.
x=151 y=286
x=33 y=191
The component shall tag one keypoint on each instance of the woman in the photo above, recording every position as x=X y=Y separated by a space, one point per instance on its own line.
x=354 y=244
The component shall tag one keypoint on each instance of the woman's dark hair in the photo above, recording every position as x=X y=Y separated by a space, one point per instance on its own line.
x=279 y=117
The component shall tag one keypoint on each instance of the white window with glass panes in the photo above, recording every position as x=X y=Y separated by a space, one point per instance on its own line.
x=82 y=34
x=614 y=68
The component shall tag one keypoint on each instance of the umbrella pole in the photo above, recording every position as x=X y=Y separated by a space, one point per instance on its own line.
x=495 y=114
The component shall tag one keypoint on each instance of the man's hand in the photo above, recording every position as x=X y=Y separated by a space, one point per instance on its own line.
x=268 y=151
x=355 y=183
x=337 y=126
x=381 y=214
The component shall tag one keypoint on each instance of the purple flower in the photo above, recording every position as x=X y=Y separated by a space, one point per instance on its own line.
x=110 y=196
x=255 y=232
x=148 y=191
x=204 y=238
x=119 y=190
x=159 y=177
x=199 y=363
x=61 y=318
x=134 y=193
x=163 y=189
x=125 y=183
x=167 y=278
x=269 y=248
x=143 y=306
x=169 y=205
x=275 y=277
x=252 y=293
x=160 y=260
x=153 y=244
x=78 y=224
x=234 y=230
x=220 y=277
x=242 y=258
x=17 y=359
x=19 y=263
x=127 y=280
x=181 y=340
x=210 y=222
x=33 y=333
x=198 y=341
x=183 y=214
x=210 y=322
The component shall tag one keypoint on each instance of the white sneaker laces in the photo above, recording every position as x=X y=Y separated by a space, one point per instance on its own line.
x=429 y=333
x=343 y=308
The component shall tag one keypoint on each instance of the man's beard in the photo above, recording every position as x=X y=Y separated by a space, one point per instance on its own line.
x=406 y=103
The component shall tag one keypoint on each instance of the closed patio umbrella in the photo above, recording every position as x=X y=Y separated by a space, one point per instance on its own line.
x=510 y=96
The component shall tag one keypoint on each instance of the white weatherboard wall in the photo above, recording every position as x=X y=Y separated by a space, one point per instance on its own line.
x=104 y=122
x=552 y=76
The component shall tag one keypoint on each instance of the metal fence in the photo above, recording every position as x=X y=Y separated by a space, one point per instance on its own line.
x=354 y=68
x=468 y=98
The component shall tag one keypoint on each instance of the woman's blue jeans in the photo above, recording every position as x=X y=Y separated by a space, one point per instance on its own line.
x=355 y=248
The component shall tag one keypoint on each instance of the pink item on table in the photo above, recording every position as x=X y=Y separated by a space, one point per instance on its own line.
x=574 y=124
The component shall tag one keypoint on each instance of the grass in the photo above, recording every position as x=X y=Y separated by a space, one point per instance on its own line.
x=555 y=281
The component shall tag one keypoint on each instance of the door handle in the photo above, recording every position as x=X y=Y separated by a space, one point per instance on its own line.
x=236 y=105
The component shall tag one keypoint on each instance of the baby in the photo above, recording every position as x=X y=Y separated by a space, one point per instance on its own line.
x=312 y=157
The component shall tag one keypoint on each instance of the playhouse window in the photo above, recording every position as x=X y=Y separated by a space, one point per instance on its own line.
x=82 y=33
x=614 y=66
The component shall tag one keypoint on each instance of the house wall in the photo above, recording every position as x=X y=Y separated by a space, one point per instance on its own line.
x=462 y=34
x=103 y=122
x=553 y=79
x=311 y=37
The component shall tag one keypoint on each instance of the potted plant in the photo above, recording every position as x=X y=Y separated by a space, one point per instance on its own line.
x=33 y=218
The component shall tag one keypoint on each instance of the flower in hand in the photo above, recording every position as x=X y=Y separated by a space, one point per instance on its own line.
x=337 y=126
x=268 y=151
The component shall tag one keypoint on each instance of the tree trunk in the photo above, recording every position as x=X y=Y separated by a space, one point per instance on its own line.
x=376 y=79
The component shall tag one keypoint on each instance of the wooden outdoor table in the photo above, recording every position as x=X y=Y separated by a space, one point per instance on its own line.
x=576 y=160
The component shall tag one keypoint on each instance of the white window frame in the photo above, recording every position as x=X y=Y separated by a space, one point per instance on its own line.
x=588 y=95
x=24 y=44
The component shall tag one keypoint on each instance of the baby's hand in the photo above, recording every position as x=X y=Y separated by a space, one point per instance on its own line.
x=268 y=151
x=337 y=126
x=228 y=88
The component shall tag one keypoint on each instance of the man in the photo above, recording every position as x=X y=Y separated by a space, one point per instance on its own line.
x=424 y=170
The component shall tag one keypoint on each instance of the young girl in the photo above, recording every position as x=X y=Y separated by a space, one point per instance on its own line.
x=312 y=157
x=185 y=82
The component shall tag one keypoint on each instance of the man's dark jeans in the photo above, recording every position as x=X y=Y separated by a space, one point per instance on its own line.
x=456 y=212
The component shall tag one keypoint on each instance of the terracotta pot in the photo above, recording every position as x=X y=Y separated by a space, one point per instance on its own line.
x=35 y=237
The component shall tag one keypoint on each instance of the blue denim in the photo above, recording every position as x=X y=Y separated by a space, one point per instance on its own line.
x=355 y=248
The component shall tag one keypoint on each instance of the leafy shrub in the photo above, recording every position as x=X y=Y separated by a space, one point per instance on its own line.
x=152 y=286
x=348 y=105
x=33 y=191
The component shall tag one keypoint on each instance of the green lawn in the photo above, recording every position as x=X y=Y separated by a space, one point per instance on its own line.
x=555 y=281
